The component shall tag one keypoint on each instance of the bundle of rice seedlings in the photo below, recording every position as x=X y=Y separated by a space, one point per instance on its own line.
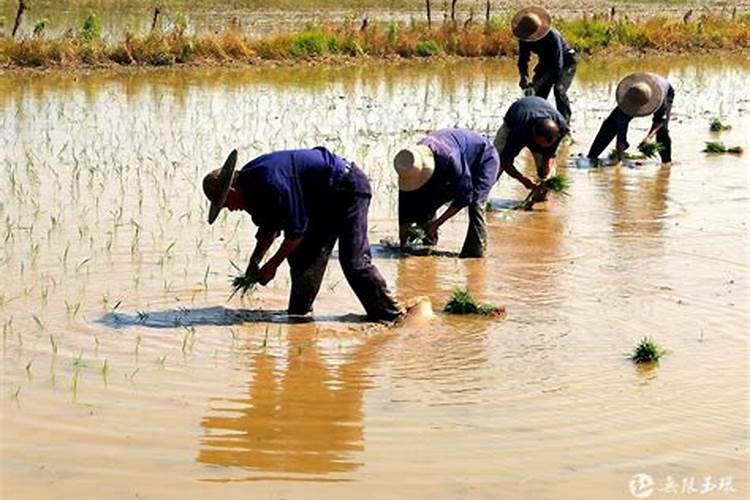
x=717 y=125
x=244 y=285
x=650 y=149
x=647 y=351
x=415 y=234
x=462 y=302
x=557 y=184
x=715 y=147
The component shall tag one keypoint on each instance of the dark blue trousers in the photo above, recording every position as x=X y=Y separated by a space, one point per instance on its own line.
x=344 y=218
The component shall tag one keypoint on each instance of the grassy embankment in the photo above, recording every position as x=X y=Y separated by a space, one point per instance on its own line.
x=86 y=47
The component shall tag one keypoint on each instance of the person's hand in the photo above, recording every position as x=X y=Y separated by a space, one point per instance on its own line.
x=523 y=83
x=529 y=183
x=266 y=274
x=431 y=232
x=252 y=270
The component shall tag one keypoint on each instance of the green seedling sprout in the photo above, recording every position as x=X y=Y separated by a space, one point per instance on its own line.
x=647 y=351
x=242 y=283
x=718 y=147
x=650 y=149
x=718 y=126
x=462 y=302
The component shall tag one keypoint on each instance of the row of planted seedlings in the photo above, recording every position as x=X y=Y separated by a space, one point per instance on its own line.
x=120 y=209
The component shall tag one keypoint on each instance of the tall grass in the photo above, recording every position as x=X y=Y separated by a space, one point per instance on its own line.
x=587 y=35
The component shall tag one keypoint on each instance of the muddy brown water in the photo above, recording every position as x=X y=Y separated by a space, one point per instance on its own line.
x=126 y=373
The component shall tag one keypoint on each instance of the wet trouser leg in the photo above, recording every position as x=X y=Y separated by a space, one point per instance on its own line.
x=606 y=134
x=475 y=243
x=501 y=138
x=354 y=251
x=561 y=91
x=307 y=265
x=542 y=84
x=662 y=136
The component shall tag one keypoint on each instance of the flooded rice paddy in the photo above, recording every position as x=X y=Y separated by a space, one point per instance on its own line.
x=126 y=373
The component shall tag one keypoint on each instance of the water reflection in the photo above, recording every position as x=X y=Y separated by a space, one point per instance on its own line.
x=305 y=417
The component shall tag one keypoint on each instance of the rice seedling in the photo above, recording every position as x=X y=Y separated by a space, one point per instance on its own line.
x=718 y=147
x=717 y=125
x=132 y=374
x=647 y=351
x=462 y=302
x=53 y=344
x=28 y=368
x=38 y=322
x=188 y=340
x=415 y=234
x=650 y=149
x=557 y=184
x=161 y=361
x=243 y=284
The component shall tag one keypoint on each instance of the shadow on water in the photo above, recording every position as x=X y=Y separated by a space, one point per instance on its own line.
x=390 y=250
x=216 y=316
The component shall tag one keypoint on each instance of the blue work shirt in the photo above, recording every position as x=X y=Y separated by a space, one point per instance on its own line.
x=466 y=168
x=661 y=115
x=520 y=118
x=553 y=51
x=283 y=190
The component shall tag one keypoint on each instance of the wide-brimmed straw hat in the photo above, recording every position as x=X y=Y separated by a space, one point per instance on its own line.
x=216 y=185
x=414 y=166
x=531 y=24
x=639 y=94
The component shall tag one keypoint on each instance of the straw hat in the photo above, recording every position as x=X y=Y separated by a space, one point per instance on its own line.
x=639 y=94
x=414 y=166
x=216 y=185
x=531 y=24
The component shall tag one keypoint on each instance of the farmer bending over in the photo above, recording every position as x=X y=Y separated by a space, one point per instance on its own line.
x=557 y=61
x=315 y=198
x=639 y=94
x=452 y=165
x=533 y=123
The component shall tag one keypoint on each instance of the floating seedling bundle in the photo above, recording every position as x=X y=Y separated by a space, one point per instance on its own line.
x=718 y=126
x=462 y=302
x=718 y=147
x=647 y=351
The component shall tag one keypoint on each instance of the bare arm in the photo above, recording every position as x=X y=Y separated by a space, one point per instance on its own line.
x=264 y=242
x=268 y=271
x=513 y=172
x=433 y=226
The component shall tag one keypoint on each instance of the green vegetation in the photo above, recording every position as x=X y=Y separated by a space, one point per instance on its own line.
x=415 y=234
x=718 y=126
x=85 y=47
x=647 y=351
x=557 y=184
x=719 y=147
x=427 y=48
x=462 y=302
x=243 y=284
x=650 y=149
